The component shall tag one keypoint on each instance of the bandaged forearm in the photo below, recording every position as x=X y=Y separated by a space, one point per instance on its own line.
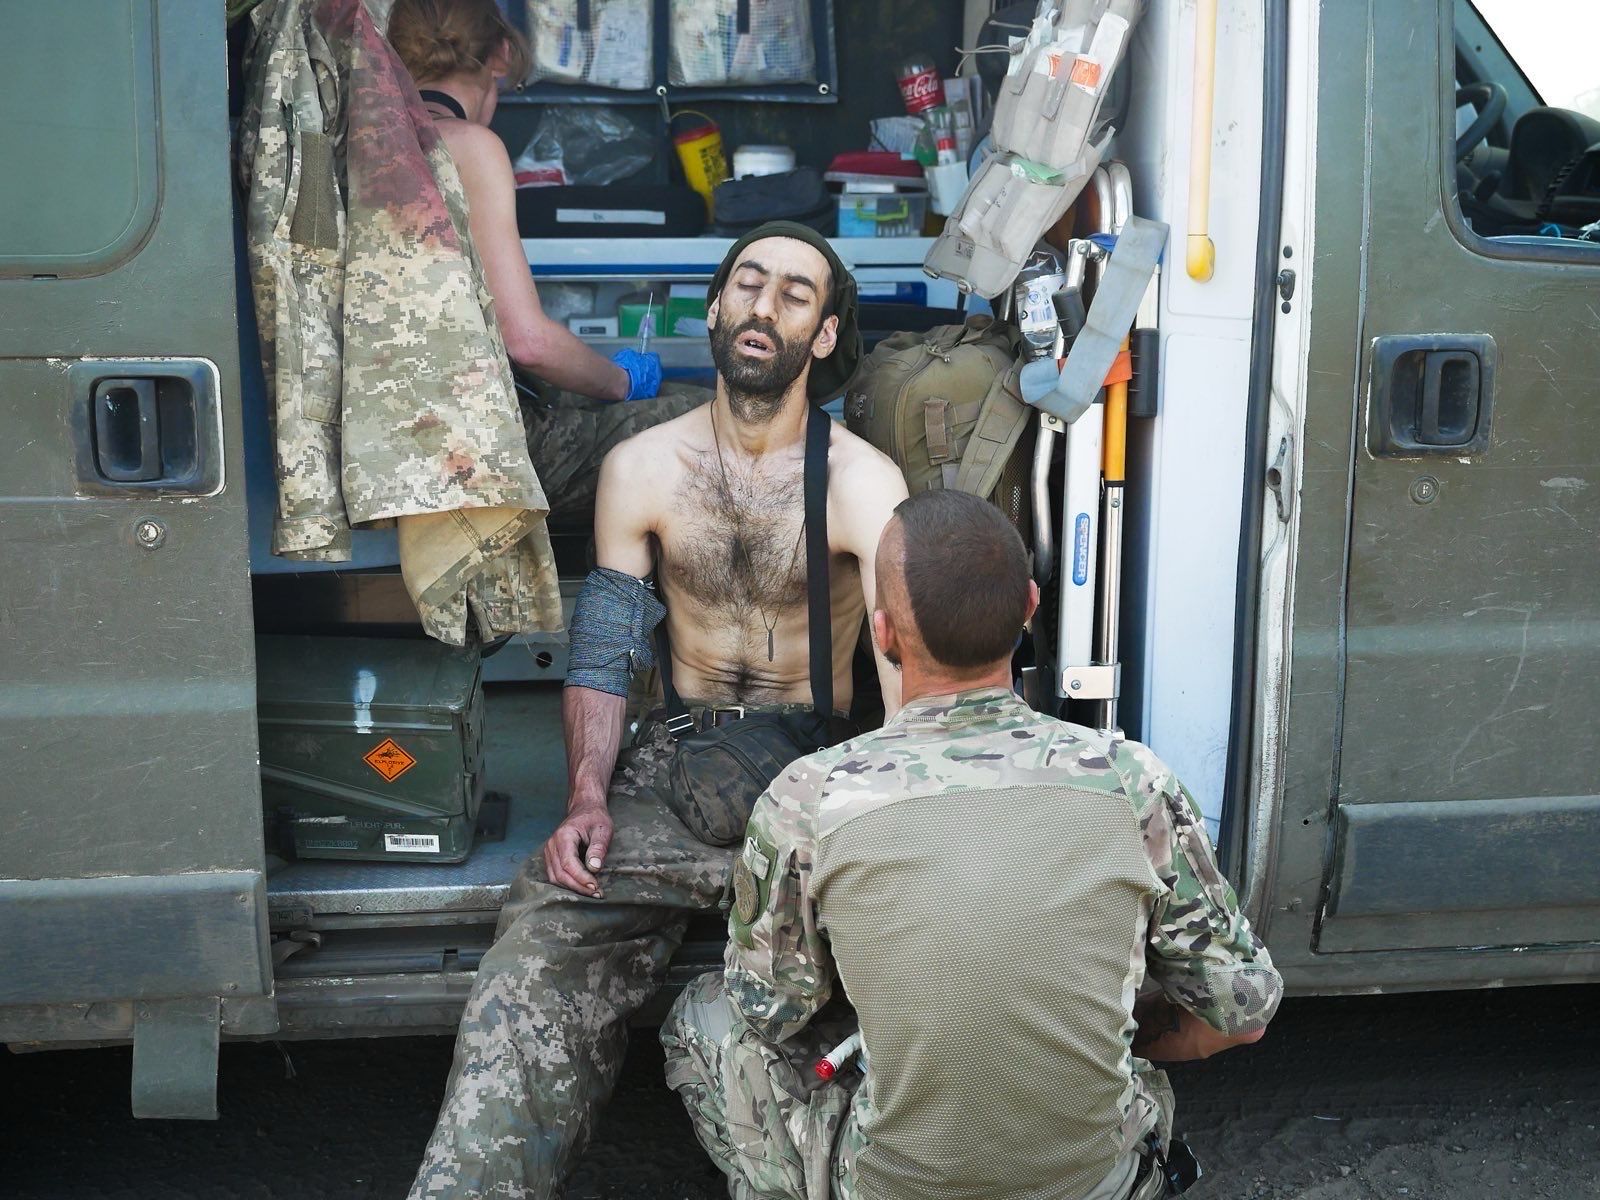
x=612 y=631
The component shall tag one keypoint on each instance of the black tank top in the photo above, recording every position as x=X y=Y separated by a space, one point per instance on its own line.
x=444 y=100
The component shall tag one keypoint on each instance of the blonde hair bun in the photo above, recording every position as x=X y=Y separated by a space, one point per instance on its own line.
x=440 y=38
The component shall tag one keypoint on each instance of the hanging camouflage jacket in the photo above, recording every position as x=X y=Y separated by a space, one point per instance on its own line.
x=392 y=393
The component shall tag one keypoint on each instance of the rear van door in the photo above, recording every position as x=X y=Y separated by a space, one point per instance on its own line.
x=1442 y=816
x=131 y=862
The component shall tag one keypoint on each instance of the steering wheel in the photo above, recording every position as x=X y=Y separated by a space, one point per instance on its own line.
x=1490 y=101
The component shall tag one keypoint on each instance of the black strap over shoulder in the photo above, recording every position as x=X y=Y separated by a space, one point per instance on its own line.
x=444 y=100
x=819 y=623
x=819 y=607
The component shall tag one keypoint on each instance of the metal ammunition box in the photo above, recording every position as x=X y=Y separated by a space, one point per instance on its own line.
x=371 y=748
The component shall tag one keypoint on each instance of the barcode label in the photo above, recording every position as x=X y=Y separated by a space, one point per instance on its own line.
x=411 y=842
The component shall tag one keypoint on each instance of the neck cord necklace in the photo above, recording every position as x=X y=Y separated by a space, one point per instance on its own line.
x=744 y=549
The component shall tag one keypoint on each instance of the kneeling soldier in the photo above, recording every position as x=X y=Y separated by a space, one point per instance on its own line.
x=992 y=889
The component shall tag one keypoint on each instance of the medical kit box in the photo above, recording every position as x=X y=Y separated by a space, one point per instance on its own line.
x=865 y=215
x=371 y=748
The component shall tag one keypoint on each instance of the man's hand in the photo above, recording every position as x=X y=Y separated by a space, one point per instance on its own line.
x=644 y=373
x=1168 y=1033
x=578 y=848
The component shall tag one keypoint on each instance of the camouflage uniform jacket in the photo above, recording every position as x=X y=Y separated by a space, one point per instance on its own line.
x=392 y=393
x=997 y=805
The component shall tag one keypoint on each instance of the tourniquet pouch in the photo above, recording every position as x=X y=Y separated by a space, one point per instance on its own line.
x=718 y=774
x=1048 y=106
x=604 y=43
x=1007 y=208
x=1049 y=136
x=718 y=43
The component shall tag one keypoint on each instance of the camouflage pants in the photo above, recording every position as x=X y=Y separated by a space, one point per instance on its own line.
x=569 y=435
x=545 y=1027
x=768 y=1123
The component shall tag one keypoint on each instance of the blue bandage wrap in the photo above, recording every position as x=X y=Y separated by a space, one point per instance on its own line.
x=612 y=630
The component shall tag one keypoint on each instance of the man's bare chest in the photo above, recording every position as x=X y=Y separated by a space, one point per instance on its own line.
x=734 y=542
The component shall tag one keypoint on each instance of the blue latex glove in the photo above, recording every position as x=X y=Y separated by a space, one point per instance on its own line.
x=644 y=373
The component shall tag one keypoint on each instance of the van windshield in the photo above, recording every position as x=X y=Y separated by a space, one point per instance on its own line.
x=1546 y=40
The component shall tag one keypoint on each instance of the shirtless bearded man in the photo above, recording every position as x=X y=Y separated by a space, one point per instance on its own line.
x=711 y=504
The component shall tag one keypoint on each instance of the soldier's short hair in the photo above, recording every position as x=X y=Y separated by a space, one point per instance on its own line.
x=966 y=577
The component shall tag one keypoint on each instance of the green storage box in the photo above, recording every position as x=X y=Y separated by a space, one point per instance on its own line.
x=684 y=300
x=631 y=314
x=371 y=748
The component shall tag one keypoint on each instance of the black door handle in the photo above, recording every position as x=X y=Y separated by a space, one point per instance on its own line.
x=127 y=430
x=1451 y=398
x=1430 y=394
x=150 y=425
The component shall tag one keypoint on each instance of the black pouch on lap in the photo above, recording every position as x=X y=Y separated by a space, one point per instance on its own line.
x=718 y=774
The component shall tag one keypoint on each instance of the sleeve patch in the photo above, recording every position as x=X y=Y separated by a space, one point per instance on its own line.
x=752 y=886
x=746 y=893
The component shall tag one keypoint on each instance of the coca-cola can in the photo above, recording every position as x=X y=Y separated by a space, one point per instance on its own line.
x=921 y=85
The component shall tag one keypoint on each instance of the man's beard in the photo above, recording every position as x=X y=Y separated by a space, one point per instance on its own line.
x=756 y=386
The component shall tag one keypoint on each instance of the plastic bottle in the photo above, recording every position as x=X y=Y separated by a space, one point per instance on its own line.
x=921 y=85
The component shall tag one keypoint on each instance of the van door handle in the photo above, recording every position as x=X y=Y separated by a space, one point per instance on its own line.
x=1451 y=398
x=146 y=425
x=127 y=430
x=1430 y=394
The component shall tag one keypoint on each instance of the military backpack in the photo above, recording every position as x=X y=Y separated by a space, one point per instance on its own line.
x=947 y=407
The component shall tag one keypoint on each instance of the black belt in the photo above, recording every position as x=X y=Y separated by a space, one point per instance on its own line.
x=711 y=716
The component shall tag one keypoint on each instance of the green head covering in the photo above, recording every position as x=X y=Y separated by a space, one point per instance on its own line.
x=829 y=376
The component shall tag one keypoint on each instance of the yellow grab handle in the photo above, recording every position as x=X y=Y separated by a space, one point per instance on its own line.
x=1114 y=464
x=1114 y=447
x=1201 y=257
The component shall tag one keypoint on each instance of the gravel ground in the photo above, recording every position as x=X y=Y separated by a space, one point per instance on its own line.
x=1463 y=1095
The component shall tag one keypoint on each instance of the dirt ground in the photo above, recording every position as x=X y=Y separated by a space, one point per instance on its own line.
x=1463 y=1095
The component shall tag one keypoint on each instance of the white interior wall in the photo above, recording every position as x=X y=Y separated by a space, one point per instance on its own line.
x=1188 y=461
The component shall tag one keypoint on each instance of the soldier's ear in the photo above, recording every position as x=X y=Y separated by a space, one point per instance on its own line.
x=827 y=338
x=711 y=312
x=1033 y=602
x=883 y=635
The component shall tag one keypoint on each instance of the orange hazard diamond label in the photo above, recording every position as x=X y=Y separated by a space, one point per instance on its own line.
x=388 y=760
